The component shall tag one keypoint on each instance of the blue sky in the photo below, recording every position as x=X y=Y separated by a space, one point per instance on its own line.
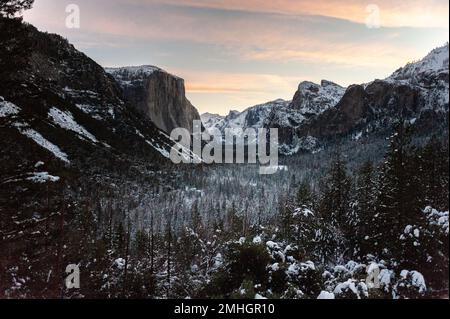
x=234 y=54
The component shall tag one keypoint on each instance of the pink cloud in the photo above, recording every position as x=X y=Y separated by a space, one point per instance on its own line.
x=416 y=13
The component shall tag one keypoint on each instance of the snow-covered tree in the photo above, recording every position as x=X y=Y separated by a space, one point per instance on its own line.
x=363 y=208
x=399 y=195
x=334 y=208
x=10 y=8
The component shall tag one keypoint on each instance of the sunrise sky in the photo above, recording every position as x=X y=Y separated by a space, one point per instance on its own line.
x=237 y=53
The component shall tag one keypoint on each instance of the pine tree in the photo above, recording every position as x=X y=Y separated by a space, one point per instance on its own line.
x=363 y=207
x=433 y=166
x=399 y=199
x=285 y=209
x=197 y=222
x=334 y=208
x=169 y=257
x=119 y=239
x=304 y=222
x=305 y=196
x=335 y=194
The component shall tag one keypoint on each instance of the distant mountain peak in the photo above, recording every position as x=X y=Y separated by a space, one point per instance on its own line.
x=312 y=98
x=325 y=83
x=434 y=62
x=134 y=69
x=208 y=114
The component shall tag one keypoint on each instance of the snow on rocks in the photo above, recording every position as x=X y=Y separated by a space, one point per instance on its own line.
x=39 y=164
x=119 y=263
x=8 y=108
x=135 y=71
x=315 y=98
x=43 y=177
x=41 y=141
x=35 y=177
x=90 y=110
x=66 y=121
x=158 y=148
x=236 y=122
x=129 y=74
x=436 y=61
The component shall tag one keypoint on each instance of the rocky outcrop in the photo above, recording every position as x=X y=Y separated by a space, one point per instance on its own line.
x=313 y=99
x=158 y=95
x=417 y=93
x=348 y=112
x=309 y=101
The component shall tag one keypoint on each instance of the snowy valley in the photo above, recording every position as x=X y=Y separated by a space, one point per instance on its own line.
x=358 y=210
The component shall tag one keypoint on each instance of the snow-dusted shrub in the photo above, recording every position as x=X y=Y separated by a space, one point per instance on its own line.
x=341 y=273
x=351 y=289
x=276 y=251
x=410 y=285
x=293 y=292
x=437 y=219
x=326 y=295
x=306 y=277
x=385 y=279
x=245 y=291
x=243 y=262
x=278 y=278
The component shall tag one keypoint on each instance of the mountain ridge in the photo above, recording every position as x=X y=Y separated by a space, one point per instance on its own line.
x=320 y=112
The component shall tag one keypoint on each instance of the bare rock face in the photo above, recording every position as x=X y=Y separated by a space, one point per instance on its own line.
x=348 y=112
x=158 y=95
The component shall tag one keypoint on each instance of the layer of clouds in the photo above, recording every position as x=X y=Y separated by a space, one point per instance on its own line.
x=395 y=13
x=241 y=51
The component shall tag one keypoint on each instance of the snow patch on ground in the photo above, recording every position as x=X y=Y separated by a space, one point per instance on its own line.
x=90 y=110
x=8 y=108
x=161 y=150
x=43 y=142
x=43 y=177
x=66 y=121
